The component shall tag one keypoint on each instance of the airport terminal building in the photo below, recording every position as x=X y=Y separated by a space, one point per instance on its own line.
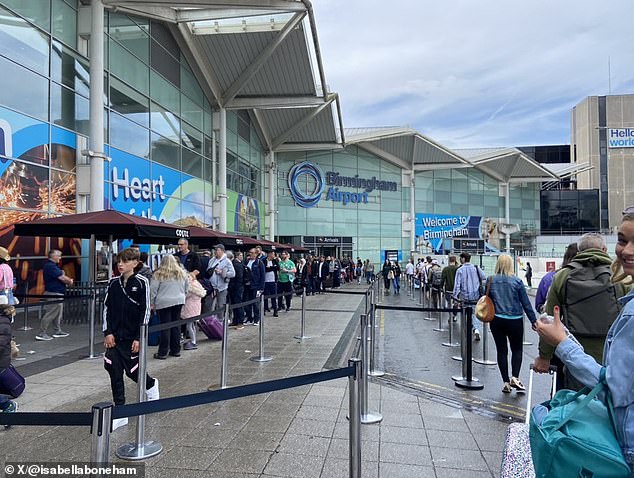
x=222 y=117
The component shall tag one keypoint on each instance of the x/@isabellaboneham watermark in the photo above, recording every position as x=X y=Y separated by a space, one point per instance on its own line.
x=52 y=469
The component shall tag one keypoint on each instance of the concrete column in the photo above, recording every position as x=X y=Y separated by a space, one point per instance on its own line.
x=412 y=212
x=222 y=170
x=96 y=106
x=507 y=213
x=272 y=195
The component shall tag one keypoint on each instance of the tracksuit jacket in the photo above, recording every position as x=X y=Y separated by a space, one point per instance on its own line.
x=125 y=309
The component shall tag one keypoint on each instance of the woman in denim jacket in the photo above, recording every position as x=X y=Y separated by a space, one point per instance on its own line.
x=618 y=354
x=511 y=301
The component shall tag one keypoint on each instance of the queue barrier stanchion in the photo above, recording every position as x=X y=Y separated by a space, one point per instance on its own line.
x=373 y=372
x=379 y=289
x=91 y=327
x=225 y=347
x=26 y=327
x=302 y=333
x=100 y=430
x=261 y=357
x=485 y=347
x=354 y=417
x=366 y=416
x=140 y=449
x=439 y=327
x=468 y=381
x=450 y=342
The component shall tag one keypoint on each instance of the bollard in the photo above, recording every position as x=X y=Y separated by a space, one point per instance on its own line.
x=100 y=431
x=469 y=381
x=354 y=415
x=485 y=347
x=302 y=333
x=91 y=328
x=366 y=417
x=373 y=372
x=261 y=357
x=225 y=347
x=140 y=449
x=450 y=342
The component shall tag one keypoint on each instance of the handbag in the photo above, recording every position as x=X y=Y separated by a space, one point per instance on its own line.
x=575 y=435
x=484 y=309
x=11 y=382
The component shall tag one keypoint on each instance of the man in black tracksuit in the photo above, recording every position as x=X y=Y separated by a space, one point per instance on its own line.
x=126 y=307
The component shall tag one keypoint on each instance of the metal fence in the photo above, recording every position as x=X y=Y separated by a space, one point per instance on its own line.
x=77 y=310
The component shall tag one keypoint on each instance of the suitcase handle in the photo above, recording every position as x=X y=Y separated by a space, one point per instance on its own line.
x=552 y=371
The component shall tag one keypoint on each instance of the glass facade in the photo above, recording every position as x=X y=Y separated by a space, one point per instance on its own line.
x=570 y=211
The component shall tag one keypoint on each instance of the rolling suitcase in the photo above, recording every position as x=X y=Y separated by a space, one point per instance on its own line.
x=517 y=461
x=212 y=327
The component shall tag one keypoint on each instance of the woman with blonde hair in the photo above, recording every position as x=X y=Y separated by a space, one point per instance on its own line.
x=511 y=301
x=168 y=289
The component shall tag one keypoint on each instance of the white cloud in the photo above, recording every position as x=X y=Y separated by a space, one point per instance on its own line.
x=474 y=73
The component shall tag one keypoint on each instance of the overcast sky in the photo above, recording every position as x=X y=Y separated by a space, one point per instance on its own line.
x=474 y=73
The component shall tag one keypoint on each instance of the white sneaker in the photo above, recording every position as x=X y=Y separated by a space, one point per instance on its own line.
x=153 y=393
x=476 y=334
x=118 y=423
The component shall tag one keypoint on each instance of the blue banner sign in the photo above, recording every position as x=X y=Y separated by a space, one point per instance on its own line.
x=434 y=229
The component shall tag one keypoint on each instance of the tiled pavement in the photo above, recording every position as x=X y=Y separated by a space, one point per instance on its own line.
x=300 y=432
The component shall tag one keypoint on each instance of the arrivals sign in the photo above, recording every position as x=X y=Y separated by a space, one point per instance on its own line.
x=309 y=196
x=621 y=137
x=434 y=229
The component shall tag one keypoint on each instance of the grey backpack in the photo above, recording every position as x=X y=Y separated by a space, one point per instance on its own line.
x=590 y=300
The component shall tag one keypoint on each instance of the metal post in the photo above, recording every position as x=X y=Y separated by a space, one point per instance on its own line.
x=373 y=372
x=261 y=357
x=366 y=417
x=524 y=341
x=485 y=347
x=100 y=431
x=439 y=314
x=140 y=449
x=26 y=309
x=302 y=333
x=354 y=415
x=469 y=382
x=450 y=342
x=379 y=292
x=91 y=327
x=422 y=287
x=225 y=347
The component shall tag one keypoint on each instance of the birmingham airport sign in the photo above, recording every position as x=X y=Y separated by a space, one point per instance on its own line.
x=621 y=137
x=310 y=196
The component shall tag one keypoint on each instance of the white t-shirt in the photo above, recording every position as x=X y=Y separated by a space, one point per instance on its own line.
x=269 y=276
x=409 y=269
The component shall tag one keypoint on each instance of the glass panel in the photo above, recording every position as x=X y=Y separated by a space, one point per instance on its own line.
x=69 y=109
x=165 y=64
x=23 y=43
x=63 y=188
x=70 y=69
x=36 y=11
x=164 y=122
x=129 y=103
x=40 y=131
x=165 y=93
x=64 y=23
x=192 y=138
x=165 y=151
x=130 y=35
x=191 y=112
x=190 y=86
x=23 y=90
x=192 y=163
x=128 y=67
x=24 y=186
x=128 y=136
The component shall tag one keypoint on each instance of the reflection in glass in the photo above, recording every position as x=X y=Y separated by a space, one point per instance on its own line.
x=64 y=23
x=23 y=90
x=36 y=11
x=192 y=138
x=70 y=69
x=165 y=151
x=192 y=163
x=130 y=35
x=69 y=110
x=23 y=43
x=165 y=123
x=129 y=103
x=128 y=136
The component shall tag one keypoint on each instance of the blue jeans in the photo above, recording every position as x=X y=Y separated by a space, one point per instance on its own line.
x=396 y=282
x=5 y=400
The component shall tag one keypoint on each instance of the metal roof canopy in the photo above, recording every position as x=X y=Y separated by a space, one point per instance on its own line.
x=405 y=147
x=245 y=62
x=508 y=165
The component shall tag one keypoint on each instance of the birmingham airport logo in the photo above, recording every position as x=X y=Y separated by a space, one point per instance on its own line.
x=309 y=195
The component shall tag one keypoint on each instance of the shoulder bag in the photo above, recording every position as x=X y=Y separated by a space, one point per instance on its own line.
x=484 y=309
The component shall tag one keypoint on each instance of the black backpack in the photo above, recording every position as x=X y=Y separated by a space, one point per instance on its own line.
x=590 y=300
x=246 y=276
x=436 y=278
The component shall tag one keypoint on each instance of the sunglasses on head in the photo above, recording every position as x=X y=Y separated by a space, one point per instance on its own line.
x=628 y=210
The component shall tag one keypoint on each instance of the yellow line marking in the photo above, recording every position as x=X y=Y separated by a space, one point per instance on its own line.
x=382 y=328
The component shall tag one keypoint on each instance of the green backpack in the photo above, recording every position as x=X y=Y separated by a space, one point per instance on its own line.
x=577 y=437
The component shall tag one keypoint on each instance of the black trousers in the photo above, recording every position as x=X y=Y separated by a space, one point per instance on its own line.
x=235 y=297
x=285 y=288
x=118 y=360
x=513 y=331
x=171 y=338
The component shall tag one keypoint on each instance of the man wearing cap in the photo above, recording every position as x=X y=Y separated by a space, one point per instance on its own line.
x=55 y=282
x=220 y=271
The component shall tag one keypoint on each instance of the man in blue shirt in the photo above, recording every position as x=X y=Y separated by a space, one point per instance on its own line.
x=469 y=278
x=55 y=282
